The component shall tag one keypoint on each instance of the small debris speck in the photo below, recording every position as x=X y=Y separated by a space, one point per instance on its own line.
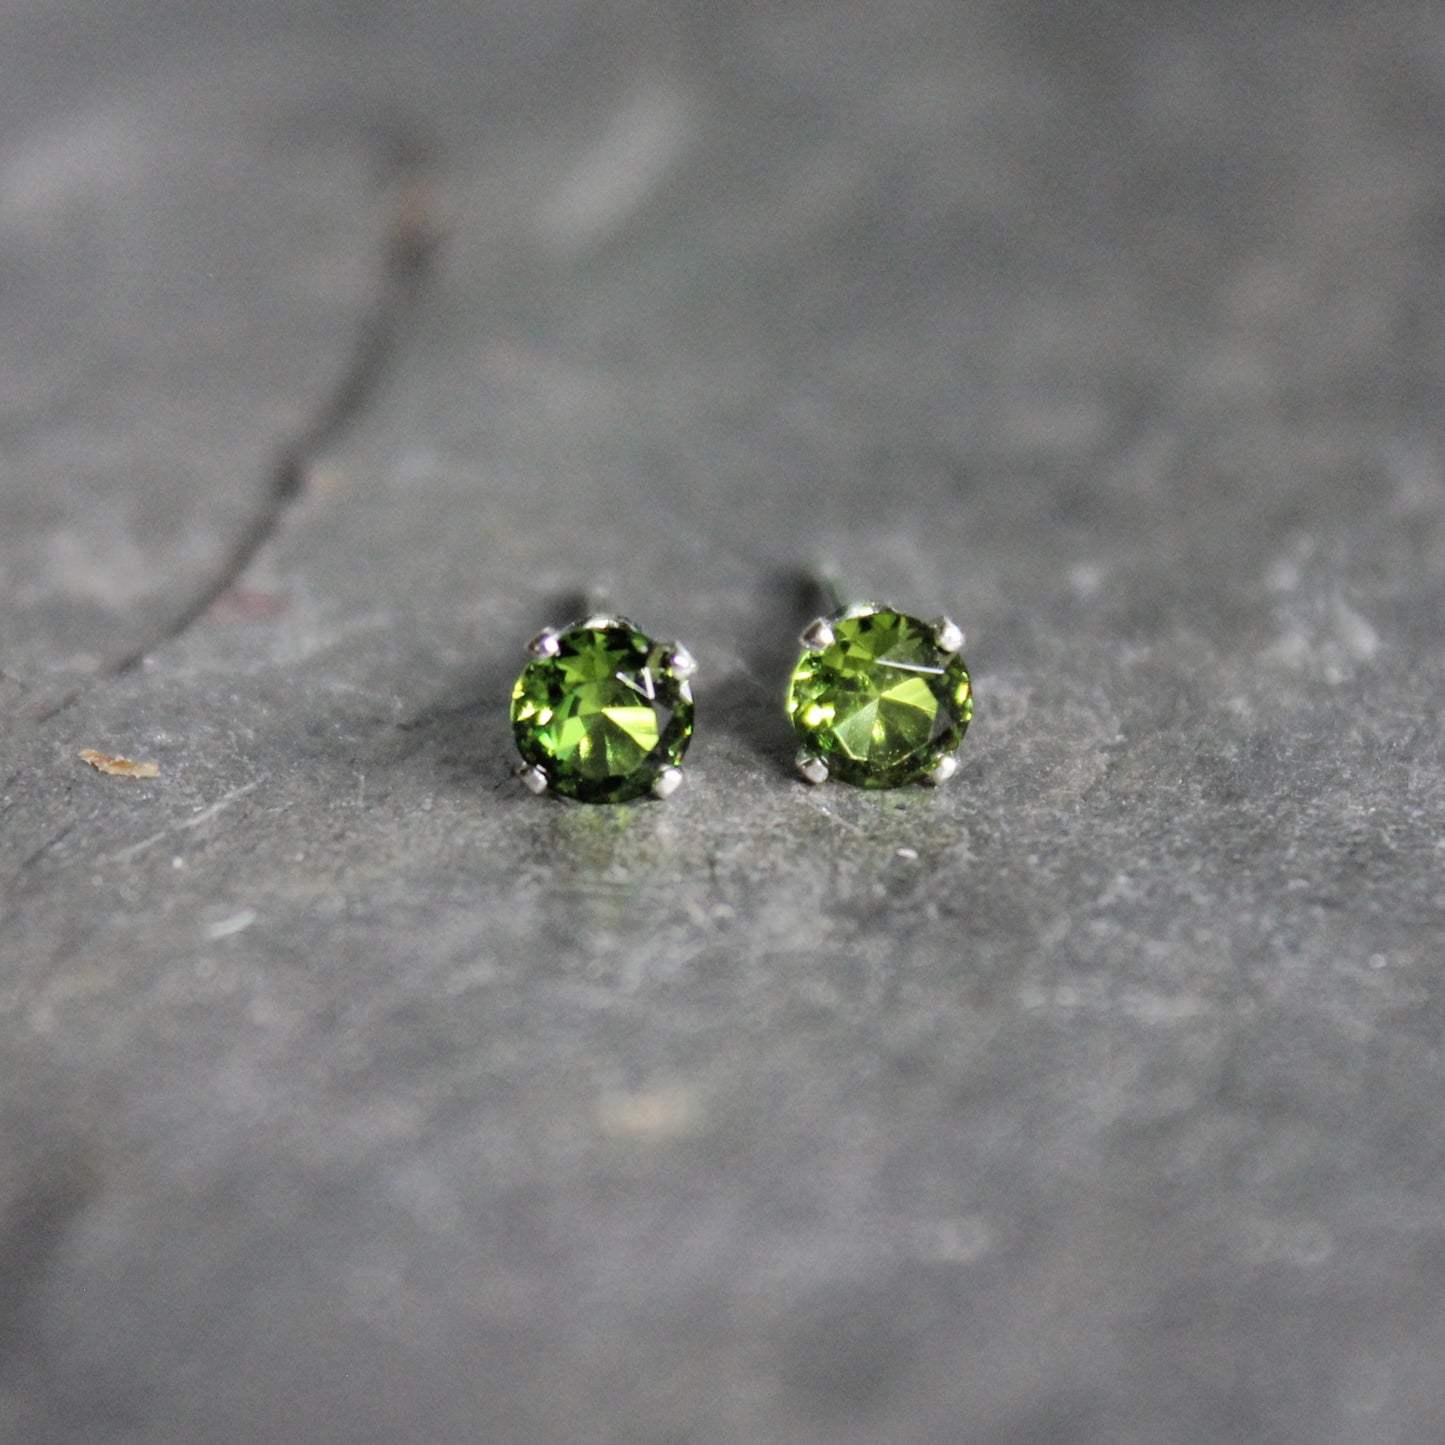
x=118 y=767
x=649 y=1116
x=236 y=923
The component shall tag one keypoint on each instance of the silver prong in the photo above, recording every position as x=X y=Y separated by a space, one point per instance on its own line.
x=811 y=768
x=533 y=779
x=682 y=663
x=546 y=643
x=943 y=770
x=669 y=780
x=947 y=634
x=817 y=635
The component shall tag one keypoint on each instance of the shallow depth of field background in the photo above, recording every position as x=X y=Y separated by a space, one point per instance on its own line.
x=350 y=1094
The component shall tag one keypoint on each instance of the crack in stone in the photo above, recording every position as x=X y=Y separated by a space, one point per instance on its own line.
x=409 y=245
x=47 y=847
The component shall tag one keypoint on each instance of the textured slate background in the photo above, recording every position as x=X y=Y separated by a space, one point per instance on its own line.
x=348 y=1093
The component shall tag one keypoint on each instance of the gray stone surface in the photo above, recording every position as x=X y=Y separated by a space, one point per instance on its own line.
x=348 y=1093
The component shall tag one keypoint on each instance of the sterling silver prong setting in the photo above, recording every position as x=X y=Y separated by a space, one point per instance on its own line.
x=682 y=663
x=948 y=635
x=534 y=780
x=546 y=643
x=669 y=780
x=942 y=771
x=817 y=635
x=811 y=768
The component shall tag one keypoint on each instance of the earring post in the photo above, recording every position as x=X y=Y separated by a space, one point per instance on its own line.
x=823 y=578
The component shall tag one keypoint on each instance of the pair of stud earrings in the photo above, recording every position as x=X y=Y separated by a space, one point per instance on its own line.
x=603 y=713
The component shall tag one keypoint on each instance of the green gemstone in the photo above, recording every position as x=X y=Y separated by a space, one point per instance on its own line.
x=882 y=704
x=605 y=715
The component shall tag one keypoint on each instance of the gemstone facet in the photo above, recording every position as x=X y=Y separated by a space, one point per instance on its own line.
x=603 y=713
x=878 y=698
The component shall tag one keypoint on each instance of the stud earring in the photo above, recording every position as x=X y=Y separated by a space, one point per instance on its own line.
x=879 y=698
x=603 y=713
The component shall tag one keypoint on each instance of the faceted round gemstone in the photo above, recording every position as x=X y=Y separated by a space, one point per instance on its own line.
x=605 y=714
x=882 y=704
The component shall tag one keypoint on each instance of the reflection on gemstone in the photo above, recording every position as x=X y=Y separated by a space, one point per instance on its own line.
x=603 y=715
x=881 y=704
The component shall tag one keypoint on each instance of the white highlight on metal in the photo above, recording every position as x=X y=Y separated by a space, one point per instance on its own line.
x=947 y=634
x=669 y=780
x=546 y=643
x=945 y=769
x=818 y=635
